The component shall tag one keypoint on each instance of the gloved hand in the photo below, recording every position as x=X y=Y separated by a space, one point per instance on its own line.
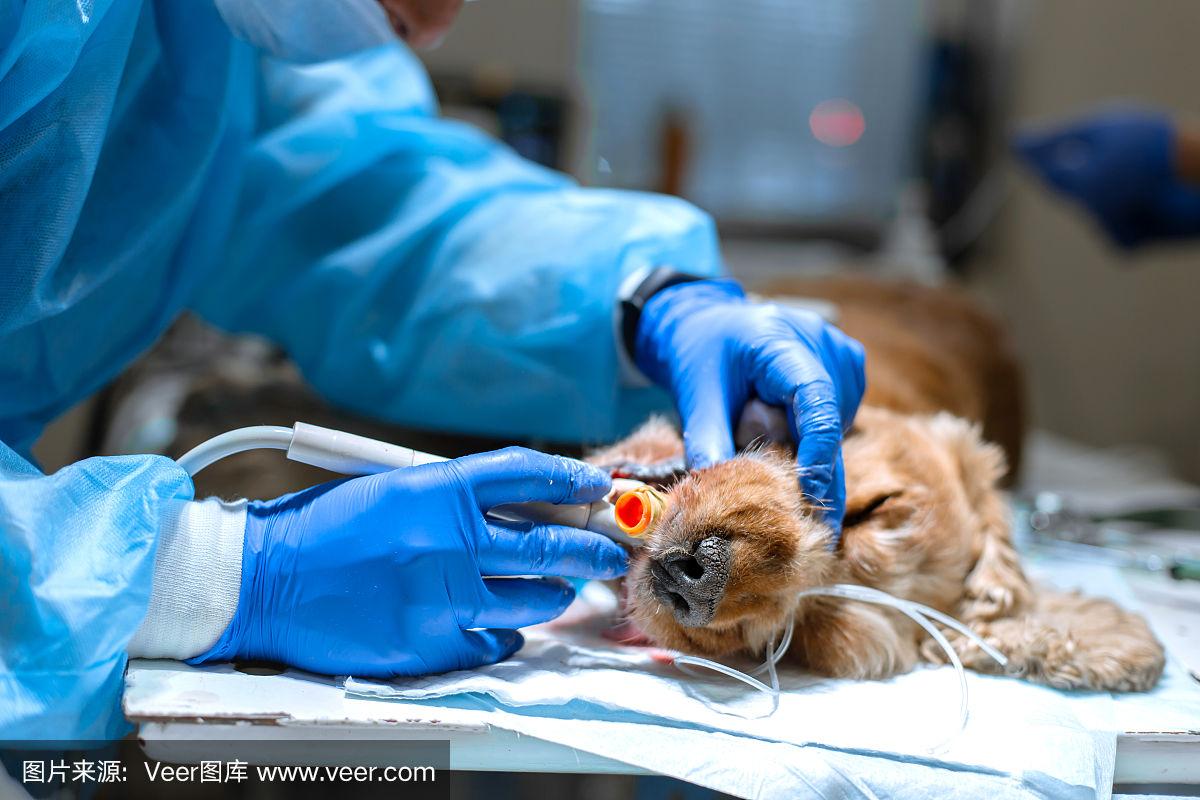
x=384 y=575
x=1120 y=166
x=714 y=350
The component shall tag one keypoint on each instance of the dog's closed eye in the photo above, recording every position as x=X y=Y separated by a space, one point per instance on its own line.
x=859 y=515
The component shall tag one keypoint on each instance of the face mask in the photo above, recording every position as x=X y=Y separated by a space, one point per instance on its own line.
x=308 y=30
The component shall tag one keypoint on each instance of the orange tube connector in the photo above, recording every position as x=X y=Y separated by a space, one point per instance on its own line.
x=639 y=510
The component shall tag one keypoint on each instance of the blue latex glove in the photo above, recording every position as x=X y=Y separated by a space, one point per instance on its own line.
x=714 y=350
x=384 y=575
x=1119 y=166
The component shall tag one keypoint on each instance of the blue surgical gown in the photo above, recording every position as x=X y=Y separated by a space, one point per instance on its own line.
x=414 y=268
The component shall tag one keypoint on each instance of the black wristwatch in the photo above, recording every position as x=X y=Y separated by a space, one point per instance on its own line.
x=631 y=307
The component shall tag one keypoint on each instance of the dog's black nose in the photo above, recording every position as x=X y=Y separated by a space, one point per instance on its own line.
x=692 y=584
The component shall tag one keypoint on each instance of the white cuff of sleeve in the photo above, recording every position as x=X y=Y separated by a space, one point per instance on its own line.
x=197 y=578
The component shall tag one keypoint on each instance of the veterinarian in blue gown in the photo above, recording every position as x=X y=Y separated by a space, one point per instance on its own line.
x=1132 y=170
x=278 y=167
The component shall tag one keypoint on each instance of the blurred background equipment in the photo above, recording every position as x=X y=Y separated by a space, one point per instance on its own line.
x=859 y=128
x=763 y=112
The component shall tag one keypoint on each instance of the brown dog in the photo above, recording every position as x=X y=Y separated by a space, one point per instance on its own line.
x=925 y=521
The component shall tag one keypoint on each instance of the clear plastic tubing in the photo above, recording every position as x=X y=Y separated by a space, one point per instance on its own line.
x=920 y=614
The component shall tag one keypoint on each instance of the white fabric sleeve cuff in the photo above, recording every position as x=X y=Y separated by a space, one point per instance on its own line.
x=197 y=578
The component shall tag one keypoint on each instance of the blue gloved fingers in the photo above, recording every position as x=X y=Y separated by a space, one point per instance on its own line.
x=521 y=602
x=1125 y=229
x=836 y=496
x=549 y=550
x=1178 y=209
x=488 y=647
x=704 y=401
x=796 y=379
x=793 y=377
x=520 y=475
x=1059 y=156
x=817 y=428
x=1119 y=165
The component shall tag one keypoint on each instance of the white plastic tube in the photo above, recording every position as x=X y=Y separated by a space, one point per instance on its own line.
x=259 y=437
x=349 y=454
x=336 y=451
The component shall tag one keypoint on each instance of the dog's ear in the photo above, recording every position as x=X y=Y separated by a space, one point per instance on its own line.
x=996 y=587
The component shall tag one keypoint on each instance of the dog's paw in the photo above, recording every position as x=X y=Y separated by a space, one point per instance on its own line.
x=973 y=656
x=987 y=597
x=1068 y=642
x=1076 y=642
x=996 y=588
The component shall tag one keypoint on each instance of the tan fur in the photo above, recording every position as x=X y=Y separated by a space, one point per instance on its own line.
x=1070 y=642
x=776 y=547
x=925 y=521
x=653 y=442
x=931 y=349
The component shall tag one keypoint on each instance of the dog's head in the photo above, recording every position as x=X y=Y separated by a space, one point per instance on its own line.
x=721 y=572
